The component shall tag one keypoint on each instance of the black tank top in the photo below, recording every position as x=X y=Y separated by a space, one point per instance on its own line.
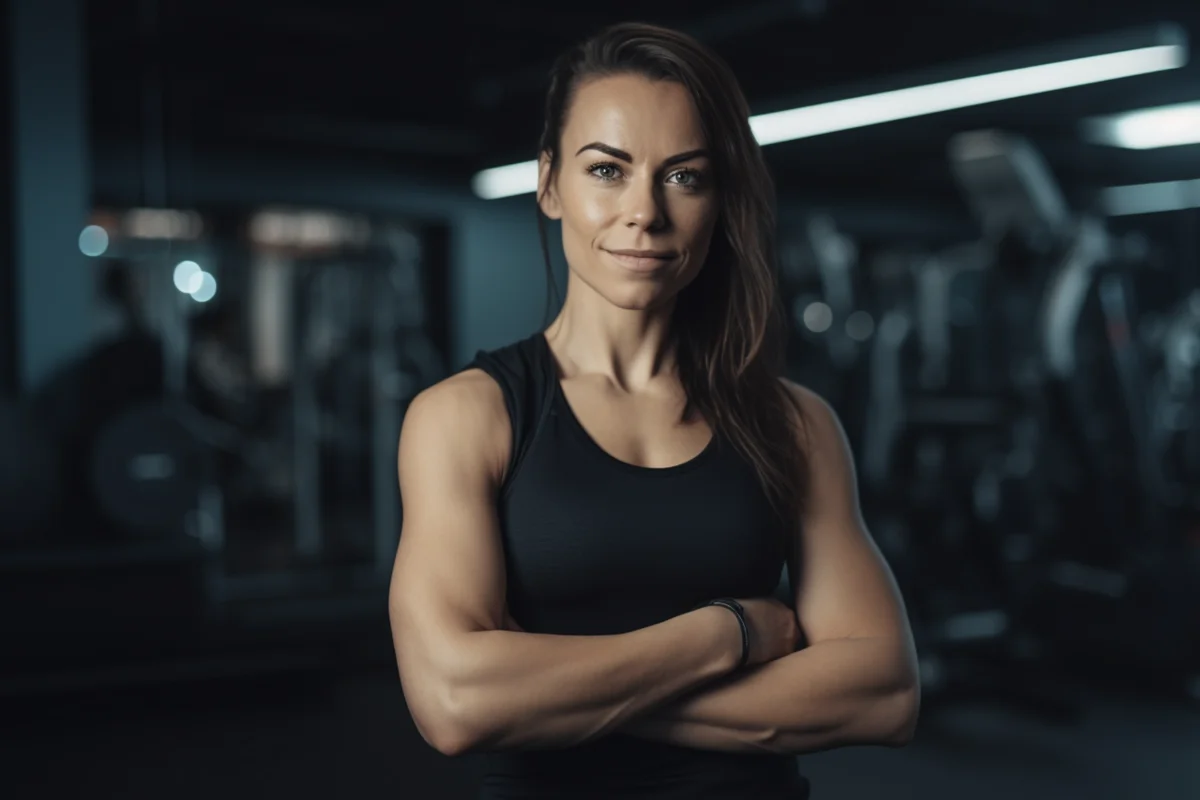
x=596 y=546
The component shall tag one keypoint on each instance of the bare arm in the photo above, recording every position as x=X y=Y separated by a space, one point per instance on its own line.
x=470 y=683
x=856 y=683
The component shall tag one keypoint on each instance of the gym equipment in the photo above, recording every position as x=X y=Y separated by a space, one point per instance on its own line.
x=150 y=469
x=352 y=376
x=830 y=322
x=1174 y=397
x=884 y=420
x=1010 y=189
x=955 y=450
x=131 y=445
x=1090 y=537
x=1124 y=584
x=819 y=273
x=835 y=256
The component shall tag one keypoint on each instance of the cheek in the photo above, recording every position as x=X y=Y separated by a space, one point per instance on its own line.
x=689 y=273
x=586 y=215
x=584 y=208
x=698 y=222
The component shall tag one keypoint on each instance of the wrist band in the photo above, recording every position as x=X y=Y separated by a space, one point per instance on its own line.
x=740 y=613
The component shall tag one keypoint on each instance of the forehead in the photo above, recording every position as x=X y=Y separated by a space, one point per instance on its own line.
x=647 y=118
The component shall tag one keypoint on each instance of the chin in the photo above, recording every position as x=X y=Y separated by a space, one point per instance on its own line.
x=635 y=297
x=631 y=293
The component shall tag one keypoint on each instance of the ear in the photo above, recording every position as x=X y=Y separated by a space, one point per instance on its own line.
x=548 y=199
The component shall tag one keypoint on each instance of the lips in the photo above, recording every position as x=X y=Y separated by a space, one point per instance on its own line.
x=664 y=254
x=642 y=260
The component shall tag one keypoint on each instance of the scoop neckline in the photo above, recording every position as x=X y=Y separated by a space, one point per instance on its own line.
x=581 y=433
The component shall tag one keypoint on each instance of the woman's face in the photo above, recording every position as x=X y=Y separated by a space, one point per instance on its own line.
x=634 y=190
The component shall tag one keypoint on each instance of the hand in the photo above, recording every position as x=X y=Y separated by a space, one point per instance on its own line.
x=774 y=629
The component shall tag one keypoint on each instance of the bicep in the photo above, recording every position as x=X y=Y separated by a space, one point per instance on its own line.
x=845 y=587
x=448 y=578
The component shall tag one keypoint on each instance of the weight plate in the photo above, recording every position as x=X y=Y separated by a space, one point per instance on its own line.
x=147 y=469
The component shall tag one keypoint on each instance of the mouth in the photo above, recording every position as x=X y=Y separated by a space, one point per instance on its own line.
x=643 y=260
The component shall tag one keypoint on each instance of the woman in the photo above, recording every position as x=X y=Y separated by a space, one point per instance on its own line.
x=575 y=502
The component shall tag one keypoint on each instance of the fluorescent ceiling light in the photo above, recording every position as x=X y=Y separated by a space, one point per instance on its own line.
x=1165 y=126
x=492 y=184
x=1149 y=198
x=858 y=112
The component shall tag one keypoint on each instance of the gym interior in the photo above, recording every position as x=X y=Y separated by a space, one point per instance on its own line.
x=238 y=236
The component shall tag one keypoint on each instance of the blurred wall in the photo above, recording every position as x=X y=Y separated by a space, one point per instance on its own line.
x=501 y=289
x=8 y=308
x=51 y=181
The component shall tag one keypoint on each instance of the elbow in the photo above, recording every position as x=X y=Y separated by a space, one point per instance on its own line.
x=904 y=709
x=444 y=725
x=449 y=739
x=435 y=691
x=452 y=745
x=449 y=735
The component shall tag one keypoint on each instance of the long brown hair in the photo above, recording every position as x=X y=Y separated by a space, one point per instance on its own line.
x=727 y=323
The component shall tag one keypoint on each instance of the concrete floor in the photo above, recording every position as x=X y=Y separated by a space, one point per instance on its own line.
x=351 y=738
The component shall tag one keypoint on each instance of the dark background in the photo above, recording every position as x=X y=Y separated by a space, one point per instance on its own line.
x=176 y=626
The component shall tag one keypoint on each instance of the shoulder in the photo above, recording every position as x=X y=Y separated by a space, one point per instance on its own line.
x=463 y=414
x=818 y=427
x=814 y=410
x=805 y=398
x=471 y=393
x=514 y=354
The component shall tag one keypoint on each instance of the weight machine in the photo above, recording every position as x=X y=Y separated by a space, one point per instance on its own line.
x=347 y=367
x=1123 y=583
x=1022 y=466
x=953 y=455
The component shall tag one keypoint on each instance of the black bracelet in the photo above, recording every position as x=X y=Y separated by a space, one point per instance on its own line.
x=740 y=613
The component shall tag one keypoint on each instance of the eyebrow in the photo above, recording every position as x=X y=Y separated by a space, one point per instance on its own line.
x=626 y=157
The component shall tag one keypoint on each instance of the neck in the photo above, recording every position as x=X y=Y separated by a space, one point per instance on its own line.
x=629 y=347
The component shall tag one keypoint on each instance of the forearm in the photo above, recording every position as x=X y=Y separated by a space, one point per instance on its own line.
x=517 y=690
x=832 y=694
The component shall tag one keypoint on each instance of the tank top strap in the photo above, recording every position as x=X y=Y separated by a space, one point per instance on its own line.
x=526 y=373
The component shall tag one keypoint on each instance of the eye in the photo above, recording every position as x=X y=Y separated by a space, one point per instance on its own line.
x=687 y=178
x=605 y=171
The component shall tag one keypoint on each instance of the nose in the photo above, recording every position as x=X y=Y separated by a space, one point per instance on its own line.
x=644 y=207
